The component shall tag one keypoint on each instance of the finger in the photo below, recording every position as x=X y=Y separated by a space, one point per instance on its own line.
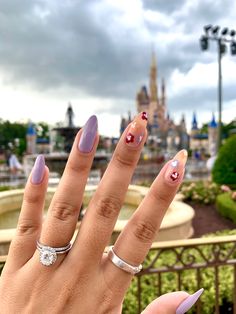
x=64 y=209
x=103 y=210
x=173 y=303
x=30 y=220
x=135 y=240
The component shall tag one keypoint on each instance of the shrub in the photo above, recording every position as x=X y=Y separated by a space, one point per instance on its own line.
x=149 y=283
x=4 y=188
x=226 y=206
x=224 y=170
x=200 y=191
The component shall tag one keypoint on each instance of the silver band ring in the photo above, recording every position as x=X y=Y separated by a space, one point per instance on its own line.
x=48 y=254
x=120 y=263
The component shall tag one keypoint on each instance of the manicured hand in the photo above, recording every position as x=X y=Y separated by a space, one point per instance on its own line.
x=85 y=280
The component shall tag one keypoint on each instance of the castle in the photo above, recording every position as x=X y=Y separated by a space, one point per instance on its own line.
x=164 y=133
x=162 y=130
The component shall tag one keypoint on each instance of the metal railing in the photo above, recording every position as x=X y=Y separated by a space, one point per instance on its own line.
x=189 y=265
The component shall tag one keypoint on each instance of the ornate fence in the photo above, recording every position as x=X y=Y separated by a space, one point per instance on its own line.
x=189 y=265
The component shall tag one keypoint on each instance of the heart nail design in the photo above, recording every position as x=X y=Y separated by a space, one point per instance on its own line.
x=175 y=168
x=144 y=116
x=136 y=130
x=174 y=176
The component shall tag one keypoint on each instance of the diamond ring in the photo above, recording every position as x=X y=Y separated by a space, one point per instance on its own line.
x=48 y=254
x=120 y=263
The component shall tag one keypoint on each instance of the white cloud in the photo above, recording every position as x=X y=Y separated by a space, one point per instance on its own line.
x=202 y=76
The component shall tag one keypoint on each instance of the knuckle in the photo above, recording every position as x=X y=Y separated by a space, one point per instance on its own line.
x=144 y=231
x=108 y=207
x=124 y=161
x=161 y=198
x=63 y=211
x=32 y=198
x=78 y=167
x=27 y=227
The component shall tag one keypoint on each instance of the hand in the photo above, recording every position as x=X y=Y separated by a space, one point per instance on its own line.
x=84 y=280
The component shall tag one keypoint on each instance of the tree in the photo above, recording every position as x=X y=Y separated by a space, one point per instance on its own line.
x=12 y=135
x=224 y=170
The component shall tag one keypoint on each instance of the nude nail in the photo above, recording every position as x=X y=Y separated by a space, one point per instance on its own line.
x=176 y=166
x=189 y=302
x=136 y=131
x=38 y=170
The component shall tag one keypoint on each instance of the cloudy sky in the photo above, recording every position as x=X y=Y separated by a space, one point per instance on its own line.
x=96 y=54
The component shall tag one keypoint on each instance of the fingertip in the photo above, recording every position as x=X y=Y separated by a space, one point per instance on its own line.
x=169 y=301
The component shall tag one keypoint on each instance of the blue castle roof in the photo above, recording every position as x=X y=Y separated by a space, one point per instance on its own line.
x=213 y=123
x=31 y=129
x=194 y=122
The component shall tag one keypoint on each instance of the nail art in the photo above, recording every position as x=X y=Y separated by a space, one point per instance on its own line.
x=88 y=135
x=144 y=116
x=176 y=167
x=189 y=302
x=136 y=130
x=38 y=170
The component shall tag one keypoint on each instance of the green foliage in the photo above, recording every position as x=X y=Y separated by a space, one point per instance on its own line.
x=200 y=191
x=149 y=283
x=5 y=188
x=226 y=206
x=9 y=133
x=224 y=170
x=42 y=130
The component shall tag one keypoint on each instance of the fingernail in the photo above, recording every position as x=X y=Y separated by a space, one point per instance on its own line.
x=88 y=135
x=189 y=302
x=136 y=131
x=175 y=169
x=38 y=170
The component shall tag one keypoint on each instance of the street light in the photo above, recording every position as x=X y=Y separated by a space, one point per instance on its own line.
x=225 y=37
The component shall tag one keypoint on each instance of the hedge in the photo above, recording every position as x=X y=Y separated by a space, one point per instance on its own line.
x=224 y=170
x=226 y=206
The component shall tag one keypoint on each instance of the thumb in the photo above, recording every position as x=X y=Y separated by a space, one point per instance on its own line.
x=175 y=302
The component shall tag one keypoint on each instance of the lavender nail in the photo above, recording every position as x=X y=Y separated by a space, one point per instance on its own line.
x=189 y=302
x=88 y=135
x=38 y=170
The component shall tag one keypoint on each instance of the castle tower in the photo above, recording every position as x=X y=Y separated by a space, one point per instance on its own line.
x=153 y=80
x=183 y=124
x=212 y=136
x=143 y=100
x=163 y=92
x=194 y=130
x=31 y=136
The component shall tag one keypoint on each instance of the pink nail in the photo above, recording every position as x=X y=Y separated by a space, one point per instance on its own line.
x=136 y=131
x=189 y=302
x=175 y=168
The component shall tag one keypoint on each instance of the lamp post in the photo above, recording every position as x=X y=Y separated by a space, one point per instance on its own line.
x=222 y=38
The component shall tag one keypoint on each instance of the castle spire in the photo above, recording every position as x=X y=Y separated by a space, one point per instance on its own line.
x=194 y=122
x=153 y=78
x=213 y=123
x=163 y=92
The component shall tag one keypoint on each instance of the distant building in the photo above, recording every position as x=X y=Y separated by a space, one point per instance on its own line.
x=204 y=143
x=212 y=136
x=31 y=137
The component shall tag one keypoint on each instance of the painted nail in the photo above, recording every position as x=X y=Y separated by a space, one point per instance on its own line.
x=175 y=169
x=136 y=130
x=189 y=302
x=38 y=170
x=88 y=135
